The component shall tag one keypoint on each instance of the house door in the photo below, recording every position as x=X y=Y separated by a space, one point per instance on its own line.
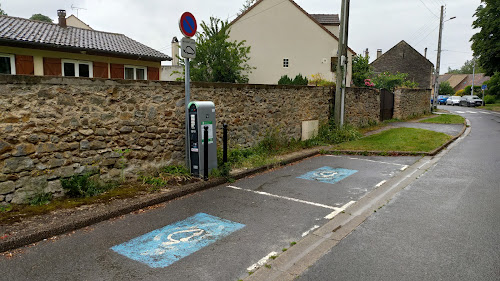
x=386 y=105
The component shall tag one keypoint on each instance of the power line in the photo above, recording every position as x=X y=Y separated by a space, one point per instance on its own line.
x=427 y=35
x=428 y=8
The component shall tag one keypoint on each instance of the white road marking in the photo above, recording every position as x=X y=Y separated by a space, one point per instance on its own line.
x=374 y=161
x=460 y=112
x=381 y=183
x=309 y=231
x=262 y=261
x=404 y=167
x=471 y=112
x=285 y=198
x=339 y=210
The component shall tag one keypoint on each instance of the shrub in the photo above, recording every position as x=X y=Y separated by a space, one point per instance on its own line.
x=40 y=199
x=445 y=89
x=318 y=80
x=391 y=81
x=477 y=90
x=460 y=93
x=84 y=186
x=489 y=99
x=300 y=80
x=285 y=80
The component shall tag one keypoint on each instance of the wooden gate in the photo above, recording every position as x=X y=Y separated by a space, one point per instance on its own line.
x=386 y=105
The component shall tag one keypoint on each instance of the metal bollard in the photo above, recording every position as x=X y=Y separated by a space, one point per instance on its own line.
x=224 y=144
x=205 y=154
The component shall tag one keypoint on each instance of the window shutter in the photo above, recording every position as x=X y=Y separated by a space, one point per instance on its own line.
x=117 y=71
x=52 y=66
x=153 y=73
x=100 y=70
x=25 y=65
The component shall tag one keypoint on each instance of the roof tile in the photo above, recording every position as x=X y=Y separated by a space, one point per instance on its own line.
x=24 y=30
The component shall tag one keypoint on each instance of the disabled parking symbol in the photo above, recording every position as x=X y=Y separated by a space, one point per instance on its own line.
x=328 y=174
x=164 y=246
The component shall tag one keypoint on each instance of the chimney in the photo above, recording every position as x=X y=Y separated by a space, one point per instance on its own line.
x=367 y=53
x=379 y=53
x=62 y=18
x=425 y=53
x=175 y=51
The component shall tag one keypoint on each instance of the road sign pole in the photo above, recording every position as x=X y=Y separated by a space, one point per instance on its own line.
x=187 y=84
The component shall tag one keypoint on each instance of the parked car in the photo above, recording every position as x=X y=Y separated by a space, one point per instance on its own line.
x=442 y=99
x=471 y=101
x=453 y=100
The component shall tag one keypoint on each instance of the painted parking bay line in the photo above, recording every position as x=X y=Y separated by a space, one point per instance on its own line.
x=162 y=247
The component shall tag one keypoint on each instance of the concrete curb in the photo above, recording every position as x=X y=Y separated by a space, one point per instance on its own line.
x=118 y=208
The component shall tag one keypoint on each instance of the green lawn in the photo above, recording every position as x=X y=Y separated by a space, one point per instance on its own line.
x=445 y=119
x=493 y=107
x=399 y=139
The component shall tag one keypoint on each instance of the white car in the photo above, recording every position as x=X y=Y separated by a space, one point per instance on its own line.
x=453 y=100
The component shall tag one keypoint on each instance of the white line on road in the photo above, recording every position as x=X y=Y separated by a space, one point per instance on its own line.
x=381 y=183
x=284 y=197
x=368 y=160
x=471 y=112
x=339 y=210
x=404 y=167
x=262 y=261
x=460 y=112
x=309 y=231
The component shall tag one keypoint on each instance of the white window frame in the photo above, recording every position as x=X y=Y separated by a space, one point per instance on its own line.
x=12 y=62
x=135 y=67
x=286 y=63
x=77 y=69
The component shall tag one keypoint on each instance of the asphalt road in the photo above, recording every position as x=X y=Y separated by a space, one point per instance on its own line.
x=444 y=226
x=217 y=234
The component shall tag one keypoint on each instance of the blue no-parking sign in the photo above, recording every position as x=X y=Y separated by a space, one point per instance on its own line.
x=484 y=87
x=188 y=25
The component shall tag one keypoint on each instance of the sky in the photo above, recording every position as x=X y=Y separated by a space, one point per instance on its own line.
x=373 y=24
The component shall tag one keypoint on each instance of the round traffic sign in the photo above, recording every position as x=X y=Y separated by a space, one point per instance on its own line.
x=188 y=25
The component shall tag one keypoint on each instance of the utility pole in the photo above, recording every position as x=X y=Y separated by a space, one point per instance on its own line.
x=341 y=65
x=436 y=82
x=473 y=73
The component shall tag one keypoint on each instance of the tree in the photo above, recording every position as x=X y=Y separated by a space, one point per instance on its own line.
x=494 y=85
x=246 y=5
x=391 y=81
x=477 y=90
x=360 y=70
x=486 y=43
x=446 y=89
x=2 y=12
x=467 y=68
x=41 y=17
x=217 y=58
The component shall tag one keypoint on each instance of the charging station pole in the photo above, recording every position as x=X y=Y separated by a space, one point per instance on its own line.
x=188 y=26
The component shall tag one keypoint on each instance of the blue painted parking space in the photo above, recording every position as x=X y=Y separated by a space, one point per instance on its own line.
x=162 y=247
x=328 y=174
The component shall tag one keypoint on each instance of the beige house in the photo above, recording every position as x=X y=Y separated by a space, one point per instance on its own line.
x=285 y=39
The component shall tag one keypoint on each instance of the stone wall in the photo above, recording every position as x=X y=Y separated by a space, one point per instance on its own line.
x=411 y=102
x=55 y=127
x=362 y=106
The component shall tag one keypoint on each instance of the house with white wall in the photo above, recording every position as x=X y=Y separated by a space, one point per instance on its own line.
x=286 y=40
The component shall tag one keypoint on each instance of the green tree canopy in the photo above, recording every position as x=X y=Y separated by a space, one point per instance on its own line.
x=2 y=12
x=494 y=85
x=486 y=43
x=360 y=70
x=41 y=17
x=446 y=89
x=389 y=81
x=246 y=5
x=217 y=58
x=467 y=68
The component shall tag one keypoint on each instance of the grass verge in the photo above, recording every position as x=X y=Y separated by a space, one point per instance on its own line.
x=445 y=119
x=492 y=107
x=399 y=139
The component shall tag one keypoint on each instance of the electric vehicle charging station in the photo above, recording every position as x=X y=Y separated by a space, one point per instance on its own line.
x=201 y=116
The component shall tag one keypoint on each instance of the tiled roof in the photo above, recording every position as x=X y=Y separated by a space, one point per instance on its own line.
x=327 y=19
x=21 y=30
